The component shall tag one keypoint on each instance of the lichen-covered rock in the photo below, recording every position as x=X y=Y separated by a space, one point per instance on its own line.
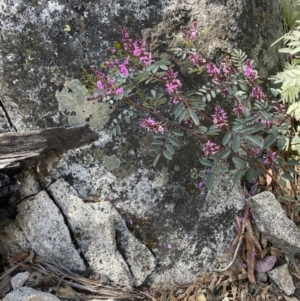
x=103 y=237
x=41 y=227
x=251 y=26
x=29 y=294
x=273 y=223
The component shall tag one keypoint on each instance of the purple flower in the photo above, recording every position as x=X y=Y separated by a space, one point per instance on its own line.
x=146 y=58
x=257 y=93
x=210 y=148
x=212 y=69
x=201 y=185
x=147 y=292
x=219 y=118
x=249 y=72
x=123 y=70
x=175 y=100
x=171 y=82
x=267 y=123
x=207 y=170
x=279 y=108
x=270 y=158
x=255 y=151
x=245 y=265
x=151 y=125
x=238 y=109
x=99 y=85
x=119 y=91
x=119 y=205
x=170 y=247
x=194 y=57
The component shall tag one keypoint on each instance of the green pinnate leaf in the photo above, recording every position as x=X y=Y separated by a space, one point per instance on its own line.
x=236 y=143
x=226 y=139
x=239 y=162
x=170 y=149
x=207 y=162
x=174 y=141
x=210 y=180
x=194 y=116
x=167 y=155
x=238 y=175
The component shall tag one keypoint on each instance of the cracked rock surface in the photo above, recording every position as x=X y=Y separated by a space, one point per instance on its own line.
x=95 y=227
x=273 y=223
x=41 y=227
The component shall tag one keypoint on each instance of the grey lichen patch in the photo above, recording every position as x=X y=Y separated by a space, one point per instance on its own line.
x=112 y=162
x=73 y=102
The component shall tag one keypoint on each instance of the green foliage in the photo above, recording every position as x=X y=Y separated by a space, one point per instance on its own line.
x=290 y=13
x=290 y=77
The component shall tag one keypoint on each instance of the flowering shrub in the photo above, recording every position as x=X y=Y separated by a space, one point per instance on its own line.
x=254 y=128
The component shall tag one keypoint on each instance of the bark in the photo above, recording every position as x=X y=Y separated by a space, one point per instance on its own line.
x=27 y=148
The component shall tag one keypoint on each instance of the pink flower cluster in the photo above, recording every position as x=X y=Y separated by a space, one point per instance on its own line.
x=172 y=83
x=137 y=49
x=190 y=34
x=121 y=67
x=238 y=109
x=267 y=123
x=250 y=73
x=151 y=125
x=210 y=148
x=257 y=93
x=214 y=71
x=196 y=59
x=219 y=118
x=227 y=67
x=270 y=158
x=106 y=85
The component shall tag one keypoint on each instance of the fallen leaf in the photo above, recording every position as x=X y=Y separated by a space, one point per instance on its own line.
x=19 y=256
x=201 y=298
x=268 y=178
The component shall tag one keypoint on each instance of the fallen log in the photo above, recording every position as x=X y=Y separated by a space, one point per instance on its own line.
x=26 y=148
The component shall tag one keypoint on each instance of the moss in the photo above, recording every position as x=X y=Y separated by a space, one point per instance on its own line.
x=73 y=102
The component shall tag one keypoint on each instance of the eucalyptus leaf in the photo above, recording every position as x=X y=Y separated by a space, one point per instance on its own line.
x=237 y=127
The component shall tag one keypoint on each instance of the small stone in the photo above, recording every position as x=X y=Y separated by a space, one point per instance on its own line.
x=265 y=265
x=19 y=280
x=262 y=277
x=283 y=279
x=29 y=294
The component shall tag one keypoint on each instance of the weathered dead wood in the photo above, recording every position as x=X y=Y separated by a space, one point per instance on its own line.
x=28 y=147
